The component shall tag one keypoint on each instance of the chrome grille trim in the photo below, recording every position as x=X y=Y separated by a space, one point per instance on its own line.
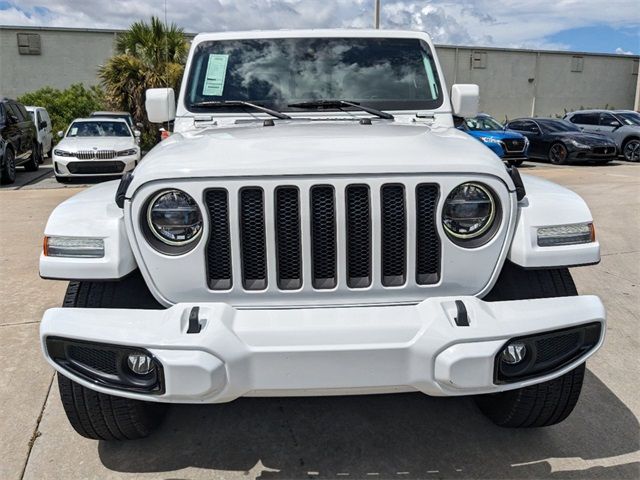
x=95 y=154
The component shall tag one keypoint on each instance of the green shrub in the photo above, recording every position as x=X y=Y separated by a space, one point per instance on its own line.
x=65 y=105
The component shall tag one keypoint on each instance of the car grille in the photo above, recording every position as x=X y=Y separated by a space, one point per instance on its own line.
x=97 y=154
x=514 y=144
x=604 y=150
x=95 y=167
x=340 y=220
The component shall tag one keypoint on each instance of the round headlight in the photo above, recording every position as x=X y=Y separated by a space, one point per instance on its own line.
x=174 y=218
x=469 y=211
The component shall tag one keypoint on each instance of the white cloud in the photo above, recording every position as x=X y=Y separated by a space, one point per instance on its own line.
x=510 y=23
x=622 y=51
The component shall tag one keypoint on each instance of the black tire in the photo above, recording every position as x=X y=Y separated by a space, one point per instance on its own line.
x=8 y=172
x=558 y=154
x=631 y=150
x=516 y=163
x=546 y=403
x=40 y=154
x=99 y=416
x=33 y=164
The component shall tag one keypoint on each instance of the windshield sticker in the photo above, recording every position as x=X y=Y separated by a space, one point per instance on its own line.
x=74 y=131
x=216 y=73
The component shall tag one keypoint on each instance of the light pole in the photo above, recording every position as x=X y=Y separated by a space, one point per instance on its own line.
x=377 y=14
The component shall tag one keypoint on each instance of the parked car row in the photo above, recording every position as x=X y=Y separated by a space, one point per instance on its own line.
x=594 y=135
x=105 y=144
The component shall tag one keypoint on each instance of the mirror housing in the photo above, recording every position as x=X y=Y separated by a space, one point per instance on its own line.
x=139 y=124
x=136 y=133
x=60 y=134
x=160 y=105
x=43 y=124
x=465 y=99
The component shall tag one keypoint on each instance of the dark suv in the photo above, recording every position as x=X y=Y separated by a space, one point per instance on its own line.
x=18 y=140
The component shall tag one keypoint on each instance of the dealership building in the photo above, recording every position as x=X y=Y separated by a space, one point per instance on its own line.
x=512 y=82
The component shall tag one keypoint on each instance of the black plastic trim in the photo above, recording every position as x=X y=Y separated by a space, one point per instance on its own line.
x=514 y=173
x=121 y=192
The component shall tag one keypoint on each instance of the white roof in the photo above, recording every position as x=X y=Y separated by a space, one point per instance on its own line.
x=312 y=33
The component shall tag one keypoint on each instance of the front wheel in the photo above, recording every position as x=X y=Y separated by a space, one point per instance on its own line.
x=96 y=415
x=631 y=150
x=558 y=154
x=549 y=402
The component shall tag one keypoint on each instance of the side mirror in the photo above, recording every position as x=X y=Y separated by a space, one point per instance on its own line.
x=465 y=99
x=139 y=125
x=42 y=125
x=60 y=134
x=160 y=104
x=136 y=133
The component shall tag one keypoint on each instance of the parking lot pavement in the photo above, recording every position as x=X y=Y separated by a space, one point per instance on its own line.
x=384 y=436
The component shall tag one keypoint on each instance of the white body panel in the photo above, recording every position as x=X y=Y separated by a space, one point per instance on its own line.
x=91 y=213
x=44 y=134
x=548 y=204
x=329 y=351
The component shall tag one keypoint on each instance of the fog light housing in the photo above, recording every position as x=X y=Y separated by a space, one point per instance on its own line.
x=140 y=364
x=514 y=353
x=566 y=235
x=77 y=247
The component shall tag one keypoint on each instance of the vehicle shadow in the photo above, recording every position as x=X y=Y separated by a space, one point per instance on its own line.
x=387 y=436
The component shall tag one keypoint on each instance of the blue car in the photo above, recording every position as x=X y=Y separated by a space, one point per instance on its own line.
x=507 y=144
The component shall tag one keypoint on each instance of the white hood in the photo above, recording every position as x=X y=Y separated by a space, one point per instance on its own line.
x=317 y=148
x=73 y=144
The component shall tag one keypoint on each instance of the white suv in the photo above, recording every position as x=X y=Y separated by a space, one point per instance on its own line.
x=318 y=226
x=44 y=130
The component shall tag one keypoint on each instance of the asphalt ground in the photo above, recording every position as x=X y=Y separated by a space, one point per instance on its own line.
x=384 y=436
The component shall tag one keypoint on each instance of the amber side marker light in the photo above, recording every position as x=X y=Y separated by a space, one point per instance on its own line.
x=574 y=234
x=74 y=247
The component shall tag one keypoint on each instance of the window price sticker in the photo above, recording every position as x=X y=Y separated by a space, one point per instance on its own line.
x=216 y=73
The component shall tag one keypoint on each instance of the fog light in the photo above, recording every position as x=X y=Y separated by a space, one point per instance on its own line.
x=140 y=363
x=514 y=353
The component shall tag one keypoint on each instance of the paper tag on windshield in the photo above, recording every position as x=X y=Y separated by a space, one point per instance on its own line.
x=74 y=132
x=216 y=72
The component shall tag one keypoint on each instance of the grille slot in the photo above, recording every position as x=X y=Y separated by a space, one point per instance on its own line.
x=394 y=235
x=288 y=244
x=358 y=236
x=252 y=239
x=427 y=239
x=553 y=348
x=219 y=246
x=323 y=236
x=95 y=167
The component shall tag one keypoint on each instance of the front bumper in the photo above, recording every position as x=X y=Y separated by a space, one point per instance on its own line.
x=324 y=351
x=93 y=168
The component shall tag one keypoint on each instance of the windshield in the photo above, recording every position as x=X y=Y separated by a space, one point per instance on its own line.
x=382 y=73
x=629 y=118
x=124 y=116
x=98 y=129
x=483 y=123
x=557 y=126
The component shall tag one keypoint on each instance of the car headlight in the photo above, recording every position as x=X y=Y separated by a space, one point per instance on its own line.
x=577 y=144
x=490 y=140
x=469 y=213
x=62 y=153
x=174 y=218
x=127 y=153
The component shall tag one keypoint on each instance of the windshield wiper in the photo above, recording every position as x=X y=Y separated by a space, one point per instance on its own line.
x=341 y=104
x=240 y=103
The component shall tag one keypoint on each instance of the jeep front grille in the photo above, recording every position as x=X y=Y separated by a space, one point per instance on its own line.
x=339 y=226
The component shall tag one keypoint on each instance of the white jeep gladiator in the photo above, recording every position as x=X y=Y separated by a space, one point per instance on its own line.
x=317 y=226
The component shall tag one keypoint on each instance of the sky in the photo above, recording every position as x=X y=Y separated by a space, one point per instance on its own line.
x=605 y=26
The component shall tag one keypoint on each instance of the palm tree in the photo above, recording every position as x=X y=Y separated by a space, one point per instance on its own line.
x=148 y=55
